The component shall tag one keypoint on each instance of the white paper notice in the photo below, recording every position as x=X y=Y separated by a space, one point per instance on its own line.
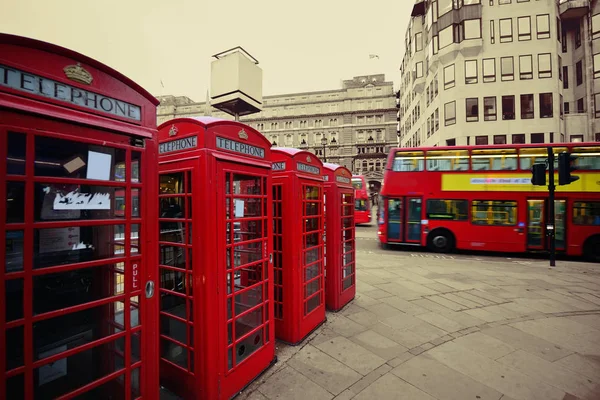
x=58 y=239
x=55 y=370
x=99 y=166
x=239 y=208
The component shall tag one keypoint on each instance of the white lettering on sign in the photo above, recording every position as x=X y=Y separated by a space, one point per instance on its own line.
x=179 y=144
x=82 y=201
x=500 y=181
x=342 y=179
x=242 y=148
x=135 y=272
x=278 y=166
x=326 y=178
x=311 y=169
x=40 y=86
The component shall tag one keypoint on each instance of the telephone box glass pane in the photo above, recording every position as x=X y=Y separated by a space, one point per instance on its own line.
x=313 y=245
x=15 y=159
x=14 y=299
x=13 y=258
x=15 y=202
x=14 y=347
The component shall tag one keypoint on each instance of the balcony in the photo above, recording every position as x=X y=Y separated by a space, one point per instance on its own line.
x=471 y=47
x=570 y=9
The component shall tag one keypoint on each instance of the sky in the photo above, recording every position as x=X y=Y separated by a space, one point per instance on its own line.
x=301 y=46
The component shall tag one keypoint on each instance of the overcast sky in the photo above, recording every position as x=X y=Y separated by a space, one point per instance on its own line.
x=301 y=46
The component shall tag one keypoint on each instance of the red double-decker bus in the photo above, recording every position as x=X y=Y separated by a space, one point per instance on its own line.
x=362 y=205
x=481 y=198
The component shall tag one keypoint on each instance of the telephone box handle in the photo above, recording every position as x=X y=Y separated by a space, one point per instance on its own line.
x=270 y=258
x=149 y=289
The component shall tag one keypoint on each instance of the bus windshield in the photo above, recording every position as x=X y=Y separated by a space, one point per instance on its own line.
x=357 y=183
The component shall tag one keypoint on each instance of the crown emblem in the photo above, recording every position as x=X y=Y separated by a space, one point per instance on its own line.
x=78 y=74
x=308 y=158
x=173 y=131
x=242 y=134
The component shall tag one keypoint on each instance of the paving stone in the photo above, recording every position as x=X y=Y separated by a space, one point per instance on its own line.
x=406 y=338
x=379 y=344
x=463 y=319
x=493 y=374
x=364 y=287
x=415 y=351
x=405 y=306
x=351 y=309
x=431 y=306
x=570 y=300
x=484 y=314
x=365 y=318
x=475 y=299
x=485 y=345
x=323 y=334
x=378 y=294
x=289 y=384
x=440 y=321
x=324 y=370
x=551 y=373
x=351 y=354
x=370 y=378
x=592 y=320
x=545 y=305
x=439 y=287
x=255 y=395
x=345 y=326
x=455 y=284
x=390 y=387
x=570 y=325
x=559 y=337
x=588 y=366
x=345 y=395
x=461 y=300
x=402 y=358
x=518 y=309
x=491 y=295
x=441 y=381
x=413 y=277
x=399 y=291
x=383 y=310
x=417 y=288
x=441 y=300
x=362 y=300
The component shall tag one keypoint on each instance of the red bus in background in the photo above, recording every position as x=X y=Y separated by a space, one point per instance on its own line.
x=362 y=205
x=481 y=198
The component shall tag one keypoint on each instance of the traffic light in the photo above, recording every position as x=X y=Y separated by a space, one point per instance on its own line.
x=565 y=167
x=538 y=175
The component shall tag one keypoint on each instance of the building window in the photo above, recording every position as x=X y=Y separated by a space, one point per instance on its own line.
x=499 y=139
x=446 y=37
x=489 y=70
x=537 y=138
x=579 y=72
x=546 y=105
x=472 y=105
x=489 y=108
x=597 y=105
x=481 y=140
x=580 y=106
x=418 y=41
x=470 y=71
x=437 y=119
x=595 y=26
x=504 y=1
x=526 y=67
x=507 y=68
x=578 y=36
x=449 y=81
x=576 y=138
x=560 y=105
x=518 y=138
x=419 y=70
x=527 y=106
x=450 y=113
x=508 y=107
x=506 y=30
x=565 y=77
x=566 y=107
x=494 y=212
x=492 y=33
x=544 y=65
x=472 y=28
x=450 y=142
x=560 y=75
x=596 y=66
x=524 y=28
x=444 y=6
x=543 y=26
x=597 y=137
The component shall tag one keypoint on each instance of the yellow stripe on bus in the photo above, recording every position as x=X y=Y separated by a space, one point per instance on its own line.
x=490 y=182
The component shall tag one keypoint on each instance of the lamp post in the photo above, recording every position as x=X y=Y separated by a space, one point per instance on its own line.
x=324 y=143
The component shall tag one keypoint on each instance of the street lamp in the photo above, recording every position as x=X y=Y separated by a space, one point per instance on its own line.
x=324 y=143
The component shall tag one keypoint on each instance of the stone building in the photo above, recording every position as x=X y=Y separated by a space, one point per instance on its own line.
x=354 y=126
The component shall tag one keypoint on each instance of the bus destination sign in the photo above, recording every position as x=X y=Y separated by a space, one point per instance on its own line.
x=242 y=148
x=308 y=168
x=179 y=144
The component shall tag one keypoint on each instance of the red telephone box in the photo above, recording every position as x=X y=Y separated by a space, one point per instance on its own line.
x=78 y=154
x=298 y=245
x=216 y=317
x=340 y=258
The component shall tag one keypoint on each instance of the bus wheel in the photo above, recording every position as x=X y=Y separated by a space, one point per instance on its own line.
x=440 y=241
x=591 y=249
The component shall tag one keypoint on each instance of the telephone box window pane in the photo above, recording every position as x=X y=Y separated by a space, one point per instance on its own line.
x=247 y=253
x=59 y=246
x=78 y=202
x=14 y=348
x=248 y=322
x=135 y=202
x=14 y=299
x=172 y=256
x=174 y=353
x=15 y=158
x=173 y=281
x=13 y=259
x=312 y=288
x=15 y=202
x=171 y=183
x=313 y=303
x=248 y=299
x=247 y=276
x=108 y=389
x=70 y=159
x=172 y=304
x=245 y=184
x=71 y=288
x=134 y=311
x=135 y=383
x=135 y=239
x=173 y=232
x=136 y=160
x=348 y=283
x=311 y=193
x=248 y=346
x=172 y=207
x=174 y=329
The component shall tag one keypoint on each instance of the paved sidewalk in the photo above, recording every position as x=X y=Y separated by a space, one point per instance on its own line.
x=424 y=326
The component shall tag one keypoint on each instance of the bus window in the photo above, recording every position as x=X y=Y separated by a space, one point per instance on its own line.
x=409 y=161
x=494 y=212
x=528 y=157
x=360 y=205
x=447 y=209
x=586 y=213
x=448 y=160
x=357 y=184
x=589 y=158
x=494 y=160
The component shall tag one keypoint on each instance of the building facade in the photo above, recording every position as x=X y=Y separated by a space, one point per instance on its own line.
x=354 y=126
x=479 y=72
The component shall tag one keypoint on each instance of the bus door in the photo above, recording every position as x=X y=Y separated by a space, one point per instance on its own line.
x=404 y=219
x=537 y=217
